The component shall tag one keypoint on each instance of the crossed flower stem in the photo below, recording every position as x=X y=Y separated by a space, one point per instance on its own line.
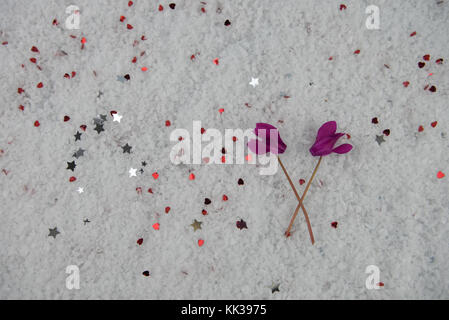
x=300 y=205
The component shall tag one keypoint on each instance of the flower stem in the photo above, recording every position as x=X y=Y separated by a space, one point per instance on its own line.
x=300 y=202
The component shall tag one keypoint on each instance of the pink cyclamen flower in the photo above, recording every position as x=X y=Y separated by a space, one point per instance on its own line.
x=268 y=140
x=326 y=139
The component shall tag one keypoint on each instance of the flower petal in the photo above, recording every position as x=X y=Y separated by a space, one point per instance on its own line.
x=327 y=129
x=344 y=148
x=257 y=146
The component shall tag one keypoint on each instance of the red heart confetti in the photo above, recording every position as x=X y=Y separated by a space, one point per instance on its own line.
x=172 y=6
x=225 y=197
x=426 y=57
x=221 y=110
x=203 y=130
x=191 y=176
x=67 y=76
x=241 y=224
x=73 y=74
x=204 y=212
x=200 y=242
x=155 y=175
x=156 y=226
x=139 y=190
x=421 y=64
x=36 y=123
x=434 y=124
x=380 y=284
x=420 y=129
x=334 y=224
x=439 y=61
x=40 y=85
x=167 y=209
x=386 y=132
x=66 y=118
x=302 y=181
x=207 y=201
x=167 y=123
x=161 y=8
x=83 y=40
x=134 y=60
x=241 y=182
x=227 y=23
x=216 y=61
x=33 y=60
x=357 y=51
x=146 y=273
x=374 y=120
x=130 y=3
x=440 y=175
x=72 y=179
x=122 y=18
x=83 y=127
x=150 y=190
x=406 y=83
x=144 y=69
x=413 y=34
x=20 y=91
x=432 y=89
x=130 y=27
x=34 y=49
x=342 y=7
x=21 y=107
x=140 y=241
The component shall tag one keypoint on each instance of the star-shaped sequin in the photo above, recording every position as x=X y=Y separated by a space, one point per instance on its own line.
x=99 y=128
x=127 y=148
x=275 y=288
x=77 y=136
x=71 y=165
x=380 y=139
x=117 y=117
x=80 y=190
x=53 y=232
x=79 y=153
x=196 y=225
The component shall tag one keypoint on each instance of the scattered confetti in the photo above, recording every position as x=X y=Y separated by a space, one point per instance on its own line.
x=156 y=226
x=200 y=242
x=132 y=172
x=440 y=175
x=380 y=139
x=53 y=232
x=196 y=225
x=334 y=224
x=241 y=224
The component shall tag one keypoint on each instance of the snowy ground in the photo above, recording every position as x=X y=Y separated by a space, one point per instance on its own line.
x=392 y=210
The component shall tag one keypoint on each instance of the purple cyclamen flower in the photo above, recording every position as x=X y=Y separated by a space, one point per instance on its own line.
x=326 y=139
x=268 y=140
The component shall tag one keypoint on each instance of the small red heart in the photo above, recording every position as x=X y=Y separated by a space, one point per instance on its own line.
x=150 y=190
x=432 y=89
x=146 y=273
x=439 y=61
x=216 y=61
x=421 y=64
x=374 y=120
x=156 y=226
x=161 y=8
x=167 y=123
x=434 y=124
x=420 y=129
x=140 y=241
x=155 y=175
x=406 y=83
x=67 y=76
x=66 y=118
x=130 y=3
x=73 y=74
x=172 y=6
x=386 y=132
x=200 y=242
x=203 y=130
x=204 y=212
x=134 y=60
x=20 y=91
x=413 y=34
x=34 y=49
x=440 y=175
x=21 y=107
x=191 y=176
x=342 y=7
x=122 y=18
x=83 y=127
x=36 y=123
x=221 y=110
x=130 y=27
x=72 y=179
x=357 y=51
x=225 y=197
x=334 y=224
x=40 y=85
x=33 y=60
x=302 y=181
x=426 y=57
x=167 y=209
x=380 y=284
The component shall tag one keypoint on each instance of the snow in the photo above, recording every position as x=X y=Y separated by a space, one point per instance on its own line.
x=391 y=209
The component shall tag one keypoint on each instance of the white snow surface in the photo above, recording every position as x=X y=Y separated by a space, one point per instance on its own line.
x=391 y=209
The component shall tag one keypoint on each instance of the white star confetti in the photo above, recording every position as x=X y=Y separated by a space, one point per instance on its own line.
x=254 y=82
x=117 y=117
x=80 y=190
x=132 y=172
